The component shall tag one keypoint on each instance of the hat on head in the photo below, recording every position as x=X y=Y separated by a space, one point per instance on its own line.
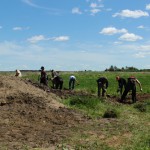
x=42 y=67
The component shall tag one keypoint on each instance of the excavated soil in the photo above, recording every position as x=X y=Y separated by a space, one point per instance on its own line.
x=31 y=114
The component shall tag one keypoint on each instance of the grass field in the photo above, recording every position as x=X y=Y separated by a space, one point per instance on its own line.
x=127 y=129
x=88 y=83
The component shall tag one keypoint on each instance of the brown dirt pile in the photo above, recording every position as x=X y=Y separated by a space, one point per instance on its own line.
x=31 y=116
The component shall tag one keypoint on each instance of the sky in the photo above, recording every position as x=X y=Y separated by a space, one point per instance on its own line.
x=74 y=35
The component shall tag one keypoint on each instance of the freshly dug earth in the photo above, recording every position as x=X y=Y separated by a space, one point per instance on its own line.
x=31 y=116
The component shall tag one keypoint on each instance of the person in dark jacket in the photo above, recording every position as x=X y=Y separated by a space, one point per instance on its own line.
x=43 y=78
x=131 y=85
x=121 y=84
x=102 y=84
x=58 y=82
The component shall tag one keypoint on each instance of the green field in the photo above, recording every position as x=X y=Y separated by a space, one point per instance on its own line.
x=88 y=83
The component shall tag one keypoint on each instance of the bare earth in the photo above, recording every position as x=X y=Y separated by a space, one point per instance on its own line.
x=35 y=117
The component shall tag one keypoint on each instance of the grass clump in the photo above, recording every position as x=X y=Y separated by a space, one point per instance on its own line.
x=86 y=101
x=141 y=107
x=111 y=113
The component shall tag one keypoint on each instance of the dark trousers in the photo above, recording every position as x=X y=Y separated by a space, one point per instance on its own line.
x=44 y=81
x=59 y=85
x=121 y=89
x=101 y=87
x=127 y=89
x=71 y=84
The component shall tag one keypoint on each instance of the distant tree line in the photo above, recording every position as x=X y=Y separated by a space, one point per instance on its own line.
x=126 y=69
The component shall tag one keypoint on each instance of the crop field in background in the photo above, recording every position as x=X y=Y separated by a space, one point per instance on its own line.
x=88 y=83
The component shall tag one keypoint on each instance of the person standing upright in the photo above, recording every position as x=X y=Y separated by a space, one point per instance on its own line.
x=43 y=78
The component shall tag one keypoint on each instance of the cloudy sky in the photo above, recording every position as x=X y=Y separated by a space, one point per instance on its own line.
x=74 y=34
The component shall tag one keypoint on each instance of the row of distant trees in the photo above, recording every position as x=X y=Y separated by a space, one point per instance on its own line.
x=126 y=69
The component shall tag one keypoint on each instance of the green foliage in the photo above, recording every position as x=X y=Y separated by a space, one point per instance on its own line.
x=88 y=102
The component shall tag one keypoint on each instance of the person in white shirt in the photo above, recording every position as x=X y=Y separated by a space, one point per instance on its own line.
x=18 y=73
x=72 y=80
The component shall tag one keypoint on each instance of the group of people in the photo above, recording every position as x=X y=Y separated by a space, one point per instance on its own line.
x=57 y=81
x=129 y=85
x=102 y=83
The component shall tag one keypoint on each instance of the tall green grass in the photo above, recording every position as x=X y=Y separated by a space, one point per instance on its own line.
x=88 y=83
x=87 y=80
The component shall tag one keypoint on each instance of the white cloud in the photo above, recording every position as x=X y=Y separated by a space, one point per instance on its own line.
x=95 y=11
x=17 y=28
x=130 y=37
x=148 y=7
x=50 y=10
x=144 y=48
x=141 y=27
x=112 y=30
x=142 y=54
x=20 y=28
x=93 y=5
x=117 y=43
x=95 y=8
x=131 y=14
x=30 y=3
x=61 y=38
x=76 y=10
x=36 y=39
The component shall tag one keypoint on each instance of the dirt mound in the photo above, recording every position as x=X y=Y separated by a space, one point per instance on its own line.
x=31 y=116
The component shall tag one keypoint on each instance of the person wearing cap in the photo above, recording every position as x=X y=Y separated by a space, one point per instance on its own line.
x=131 y=85
x=102 y=84
x=43 y=78
x=121 y=83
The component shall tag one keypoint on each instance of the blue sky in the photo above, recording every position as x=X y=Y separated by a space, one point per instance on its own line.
x=74 y=34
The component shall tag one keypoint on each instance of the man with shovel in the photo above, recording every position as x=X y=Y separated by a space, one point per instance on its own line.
x=102 y=84
x=131 y=85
